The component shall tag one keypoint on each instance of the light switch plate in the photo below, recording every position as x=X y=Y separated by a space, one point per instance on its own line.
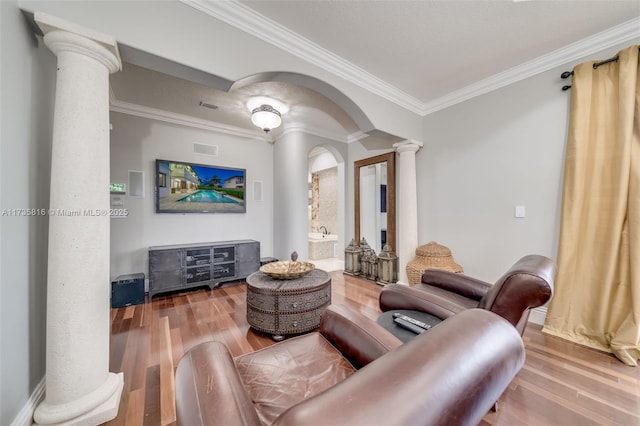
x=520 y=211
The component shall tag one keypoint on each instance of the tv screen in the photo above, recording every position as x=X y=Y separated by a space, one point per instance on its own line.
x=198 y=188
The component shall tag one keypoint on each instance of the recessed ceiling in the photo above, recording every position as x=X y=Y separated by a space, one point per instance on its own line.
x=141 y=86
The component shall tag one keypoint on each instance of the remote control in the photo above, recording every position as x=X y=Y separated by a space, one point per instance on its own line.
x=408 y=326
x=413 y=321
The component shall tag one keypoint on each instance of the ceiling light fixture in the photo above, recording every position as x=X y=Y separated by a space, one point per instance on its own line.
x=266 y=117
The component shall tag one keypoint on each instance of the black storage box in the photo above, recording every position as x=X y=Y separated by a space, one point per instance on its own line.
x=127 y=290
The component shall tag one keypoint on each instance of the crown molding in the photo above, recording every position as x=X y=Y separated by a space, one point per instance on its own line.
x=356 y=136
x=184 y=120
x=615 y=35
x=310 y=130
x=248 y=20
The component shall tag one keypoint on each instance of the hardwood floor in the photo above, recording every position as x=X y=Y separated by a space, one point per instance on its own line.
x=560 y=384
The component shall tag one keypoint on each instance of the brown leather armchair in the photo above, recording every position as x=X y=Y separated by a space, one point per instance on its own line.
x=526 y=285
x=354 y=372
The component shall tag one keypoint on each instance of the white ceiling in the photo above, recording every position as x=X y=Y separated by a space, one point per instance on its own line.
x=429 y=49
x=415 y=53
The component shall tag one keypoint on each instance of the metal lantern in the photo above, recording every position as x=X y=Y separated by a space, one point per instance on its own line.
x=364 y=245
x=373 y=266
x=387 y=266
x=352 y=258
x=364 y=257
x=364 y=263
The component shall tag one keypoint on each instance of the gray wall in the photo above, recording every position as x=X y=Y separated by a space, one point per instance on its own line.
x=279 y=221
x=485 y=156
x=480 y=159
x=27 y=81
x=135 y=145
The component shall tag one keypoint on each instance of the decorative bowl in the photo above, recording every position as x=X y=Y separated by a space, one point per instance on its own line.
x=287 y=270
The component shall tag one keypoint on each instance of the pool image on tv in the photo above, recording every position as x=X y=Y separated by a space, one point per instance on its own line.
x=198 y=188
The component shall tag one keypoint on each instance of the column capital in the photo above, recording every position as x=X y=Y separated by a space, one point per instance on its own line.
x=408 y=145
x=63 y=36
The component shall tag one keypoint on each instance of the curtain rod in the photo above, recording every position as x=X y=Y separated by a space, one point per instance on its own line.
x=568 y=74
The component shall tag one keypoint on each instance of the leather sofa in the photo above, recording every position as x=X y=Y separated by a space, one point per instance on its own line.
x=526 y=285
x=353 y=372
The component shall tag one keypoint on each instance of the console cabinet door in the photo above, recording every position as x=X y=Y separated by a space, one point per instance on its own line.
x=166 y=280
x=247 y=258
x=165 y=270
x=165 y=260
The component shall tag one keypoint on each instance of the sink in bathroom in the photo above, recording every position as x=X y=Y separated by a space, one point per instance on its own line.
x=322 y=246
x=320 y=236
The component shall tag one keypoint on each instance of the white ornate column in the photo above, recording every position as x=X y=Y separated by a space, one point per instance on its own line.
x=407 y=205
x=79 y=387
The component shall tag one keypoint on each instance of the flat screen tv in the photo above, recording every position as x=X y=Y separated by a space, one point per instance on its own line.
x=183 y=187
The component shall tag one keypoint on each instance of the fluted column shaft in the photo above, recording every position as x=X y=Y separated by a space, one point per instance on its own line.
x=79 y=387
x=407 y=205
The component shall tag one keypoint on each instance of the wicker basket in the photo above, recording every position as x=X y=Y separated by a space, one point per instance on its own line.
x=431 y=256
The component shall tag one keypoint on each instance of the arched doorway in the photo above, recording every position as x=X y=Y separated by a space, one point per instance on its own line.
x=324 y=221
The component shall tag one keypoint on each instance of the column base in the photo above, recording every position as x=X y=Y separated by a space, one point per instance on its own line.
x=47 y=414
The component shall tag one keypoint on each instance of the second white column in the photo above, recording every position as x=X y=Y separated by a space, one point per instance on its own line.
x=407 y=205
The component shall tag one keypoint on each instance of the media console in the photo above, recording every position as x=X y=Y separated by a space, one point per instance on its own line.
x=179 y=267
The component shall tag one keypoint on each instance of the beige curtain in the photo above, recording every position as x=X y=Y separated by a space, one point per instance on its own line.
x=597 y=294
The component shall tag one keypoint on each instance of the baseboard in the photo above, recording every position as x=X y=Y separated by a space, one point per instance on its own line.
x=25 y=416
x=538 y=315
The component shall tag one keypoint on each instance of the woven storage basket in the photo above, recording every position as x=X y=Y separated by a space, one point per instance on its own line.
x=431 y=256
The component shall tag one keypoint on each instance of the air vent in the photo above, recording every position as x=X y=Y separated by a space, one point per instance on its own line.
x=208 y=105
x=200 y=148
